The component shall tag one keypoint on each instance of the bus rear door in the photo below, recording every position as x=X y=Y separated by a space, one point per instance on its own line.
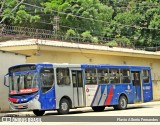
x=137 y=86
x=77 y=80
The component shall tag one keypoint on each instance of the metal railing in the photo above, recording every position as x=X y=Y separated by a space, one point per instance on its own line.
x=25 y=32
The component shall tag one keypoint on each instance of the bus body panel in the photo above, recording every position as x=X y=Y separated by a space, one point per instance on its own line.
x=48 y=100
x=147 y=92
x=90 y=91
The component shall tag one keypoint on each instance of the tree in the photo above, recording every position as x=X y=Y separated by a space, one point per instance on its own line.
x=87 y=15
x=13 y=12
x=110 y=22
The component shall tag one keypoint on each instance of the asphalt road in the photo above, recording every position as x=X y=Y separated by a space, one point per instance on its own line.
x=134 y=111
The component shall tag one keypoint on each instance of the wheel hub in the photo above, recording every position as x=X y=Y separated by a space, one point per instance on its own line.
x=123 y=103
x=64 y=106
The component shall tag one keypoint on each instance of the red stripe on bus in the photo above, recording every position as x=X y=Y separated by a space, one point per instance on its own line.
x=110 y=95
x=13 y=99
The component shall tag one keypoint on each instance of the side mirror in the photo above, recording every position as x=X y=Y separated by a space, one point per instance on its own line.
x=6 y=80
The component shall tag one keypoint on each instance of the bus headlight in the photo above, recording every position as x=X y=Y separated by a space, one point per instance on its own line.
x=37 y=97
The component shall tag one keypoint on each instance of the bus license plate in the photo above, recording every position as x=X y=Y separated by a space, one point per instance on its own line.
x=20 y=106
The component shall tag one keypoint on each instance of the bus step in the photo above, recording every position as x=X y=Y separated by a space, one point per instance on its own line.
x=137 y=102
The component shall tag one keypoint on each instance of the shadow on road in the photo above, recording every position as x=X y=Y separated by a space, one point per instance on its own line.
x=78 y=111
x=90 y=110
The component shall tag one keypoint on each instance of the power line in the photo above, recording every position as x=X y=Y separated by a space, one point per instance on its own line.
x=136 y=5
x=12 y=10
x=67 y=14
x=64 y=26
x=91 y=19
x=2 y=6
x=124 y=6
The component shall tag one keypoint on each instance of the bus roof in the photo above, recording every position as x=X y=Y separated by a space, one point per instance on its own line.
x=83 y=66
x=114 y=66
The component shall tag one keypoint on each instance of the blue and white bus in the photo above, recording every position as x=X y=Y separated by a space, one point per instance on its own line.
x=47 y=86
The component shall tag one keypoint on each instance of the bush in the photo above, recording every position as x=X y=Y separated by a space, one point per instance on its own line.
x=70 y=33
x=87 y=36
x=95 y=40
x=123 y=41
x=112 y=43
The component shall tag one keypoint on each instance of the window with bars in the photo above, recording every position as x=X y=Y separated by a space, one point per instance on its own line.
x=103 y=76
x=91 y=77
x=63 y=76
x=114 y=75
x=125 y=76
x=146 y=76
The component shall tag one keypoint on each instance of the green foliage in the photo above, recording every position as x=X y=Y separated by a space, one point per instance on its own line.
x=112 y=43
x=16 y=15
x=95 y=40
x=123 y=41
x=119 y=22
x=87 y=37
x=70 y=33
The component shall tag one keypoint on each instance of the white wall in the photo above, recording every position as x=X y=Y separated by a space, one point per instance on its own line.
x=7 y=59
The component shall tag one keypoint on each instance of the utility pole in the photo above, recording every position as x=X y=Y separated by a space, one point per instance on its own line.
x=56 y=25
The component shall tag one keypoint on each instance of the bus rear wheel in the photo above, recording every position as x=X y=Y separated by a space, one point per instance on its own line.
x=98 y=108
x=38 y=112
x=64 y=107
x=122 y=103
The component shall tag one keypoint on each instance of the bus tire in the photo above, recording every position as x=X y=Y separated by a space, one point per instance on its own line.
x=98 y=108
x=38 y=112
x=64 y=106
x=122 y=103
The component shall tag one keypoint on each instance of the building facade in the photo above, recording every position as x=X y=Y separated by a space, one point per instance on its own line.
x=75 y=53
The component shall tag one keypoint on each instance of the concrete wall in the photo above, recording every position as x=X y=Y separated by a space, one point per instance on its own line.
x=7 y=60
x=76 y=58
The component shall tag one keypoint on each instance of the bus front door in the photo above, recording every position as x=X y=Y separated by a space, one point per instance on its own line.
x=47 y=94
x=137 y=82
x=77 y=81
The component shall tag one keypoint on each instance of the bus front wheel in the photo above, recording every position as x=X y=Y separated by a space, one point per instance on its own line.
x=122 y=103
x=38 y=112
x=98 y=108
x=64 y=107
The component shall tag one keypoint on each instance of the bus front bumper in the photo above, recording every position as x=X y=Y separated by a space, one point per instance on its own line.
x=33 y=104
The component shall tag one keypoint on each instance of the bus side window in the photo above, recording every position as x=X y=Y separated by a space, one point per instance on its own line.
x=103 y=76
x=91 y=77
x=47 y=79
x=146 y=76
x=63 y=76
x=125 y=76
x=114 y=75
x=136 y=78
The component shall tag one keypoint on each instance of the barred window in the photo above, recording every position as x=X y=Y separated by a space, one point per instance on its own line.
x=63 y=76
x=47 y=79
x=125 y=76
x=114 y=76
x=103 y=76
x=91 y=77
x=146 y=76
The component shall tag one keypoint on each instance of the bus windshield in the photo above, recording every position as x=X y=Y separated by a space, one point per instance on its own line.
x=23 y=83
